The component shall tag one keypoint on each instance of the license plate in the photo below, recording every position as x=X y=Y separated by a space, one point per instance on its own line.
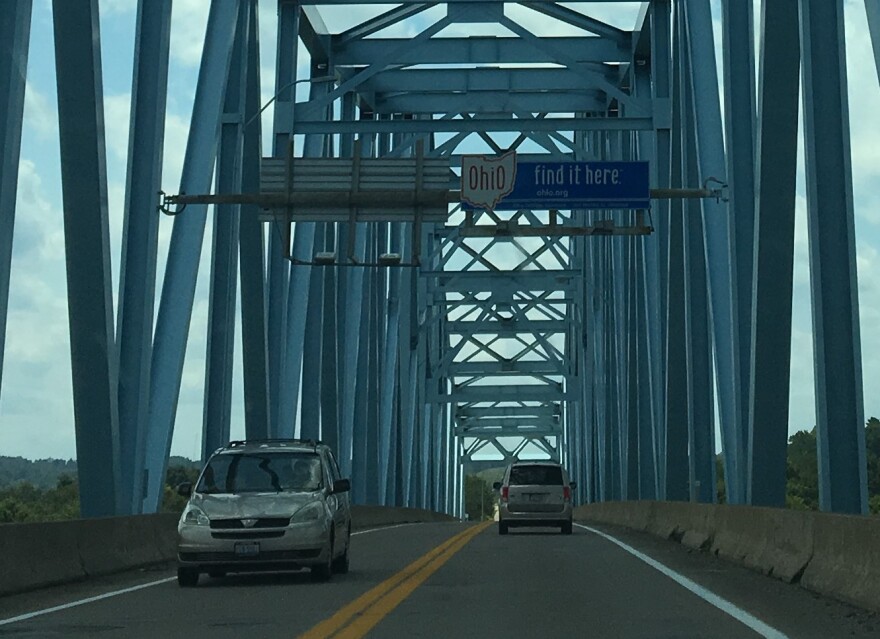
x=244 y=549
x=536 y=498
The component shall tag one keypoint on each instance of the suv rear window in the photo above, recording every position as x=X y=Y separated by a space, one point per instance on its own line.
x=536 y=476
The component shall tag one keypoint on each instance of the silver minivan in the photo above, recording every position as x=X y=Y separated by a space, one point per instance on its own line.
x=535 y=493
x=265 y=505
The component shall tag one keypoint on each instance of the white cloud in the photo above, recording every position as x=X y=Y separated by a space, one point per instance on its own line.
x=39 y=113
x=189 y=21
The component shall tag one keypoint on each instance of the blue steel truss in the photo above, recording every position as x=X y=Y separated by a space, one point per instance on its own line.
x=607 y=352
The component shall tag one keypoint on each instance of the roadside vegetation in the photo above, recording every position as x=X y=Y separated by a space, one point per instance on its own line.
x=802 y=470
x=55 y=496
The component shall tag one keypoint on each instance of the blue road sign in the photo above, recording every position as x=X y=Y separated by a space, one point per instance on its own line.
x=578 y=185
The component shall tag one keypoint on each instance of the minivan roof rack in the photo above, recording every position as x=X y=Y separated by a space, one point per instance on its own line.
x=314 y=443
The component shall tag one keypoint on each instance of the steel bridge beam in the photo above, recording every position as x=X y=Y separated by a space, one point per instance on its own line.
x=15 y=25
x=140 y=238
x=739 y=117
x=94 y=361
x=840 y=423
x=776 y=176
x=217 y=414
x=178 y=290
x=477 y=49
x=254 y=345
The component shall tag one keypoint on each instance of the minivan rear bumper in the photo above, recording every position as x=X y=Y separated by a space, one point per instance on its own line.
x=513 y=518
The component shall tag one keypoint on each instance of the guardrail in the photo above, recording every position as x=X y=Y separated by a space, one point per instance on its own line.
x=35 y=555
x=834 y=555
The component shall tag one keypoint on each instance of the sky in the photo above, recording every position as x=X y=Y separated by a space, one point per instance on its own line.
x=36 y=404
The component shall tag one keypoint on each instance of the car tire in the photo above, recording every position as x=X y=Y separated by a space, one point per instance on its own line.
x=187 y=577
x=323 y=572
x=502 y=528
x=566 y=528
x=341 y=563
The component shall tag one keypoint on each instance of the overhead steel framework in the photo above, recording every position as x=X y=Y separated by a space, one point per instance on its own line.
x=498 y=336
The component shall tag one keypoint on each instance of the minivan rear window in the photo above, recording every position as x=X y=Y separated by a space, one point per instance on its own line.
x=536 y=476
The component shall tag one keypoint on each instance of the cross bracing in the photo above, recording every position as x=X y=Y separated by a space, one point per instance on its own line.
x=605 y=339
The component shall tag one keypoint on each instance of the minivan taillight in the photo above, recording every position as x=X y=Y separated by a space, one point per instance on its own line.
x=505 y=493
x=566 y=493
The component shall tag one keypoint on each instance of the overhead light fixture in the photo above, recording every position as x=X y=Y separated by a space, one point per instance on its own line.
x=325 y=258
x=389 y=259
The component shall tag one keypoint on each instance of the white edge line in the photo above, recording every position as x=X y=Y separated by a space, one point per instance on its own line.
x=80 y=602
x=380 y=528
x=706 y=595
x=107 y=595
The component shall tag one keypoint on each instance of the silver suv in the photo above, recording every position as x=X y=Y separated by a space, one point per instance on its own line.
x=535 y=494
x=265 y=505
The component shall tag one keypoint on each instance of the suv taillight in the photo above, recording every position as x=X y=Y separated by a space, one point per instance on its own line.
x=505 y=493
x=566 y=493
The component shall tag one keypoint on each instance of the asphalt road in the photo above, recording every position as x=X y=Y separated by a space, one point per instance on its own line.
x=454 y=580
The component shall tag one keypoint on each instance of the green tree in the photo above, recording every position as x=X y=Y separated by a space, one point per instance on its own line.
x=176 y=475
x=720 y=485
x=802 y=471
x=479 y=498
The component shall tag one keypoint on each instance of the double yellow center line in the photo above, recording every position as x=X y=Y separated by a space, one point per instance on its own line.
x=357 y=618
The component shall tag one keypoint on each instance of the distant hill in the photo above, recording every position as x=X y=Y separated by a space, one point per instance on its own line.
x=44 y=473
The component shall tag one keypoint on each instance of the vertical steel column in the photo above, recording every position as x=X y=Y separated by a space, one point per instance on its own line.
x=353 y=303
x=840 y=423
x=374 y=368
x=587 y=358
x=140 y=238
x=387 y=460
x=646 y=324
x=94 y=360
x=657 y=245
x=633 y=418
x=719 y=240
x=329 y=348
x=698 y=349
x=600 y=377
x=300 y=301
x=615 y=366
x=312 y=357
x=676 y=450
x=224 y=256
x=647 y=451
x=178 y=290
x=278 y=268
x=251 y=254
x=361 y=372
x=15 y=27
x=776 y=176
x=739 y=115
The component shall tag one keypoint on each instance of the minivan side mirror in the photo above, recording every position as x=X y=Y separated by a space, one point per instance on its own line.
x=496 y=485
x=341 y=486
x=573 y=484
x=184 y=489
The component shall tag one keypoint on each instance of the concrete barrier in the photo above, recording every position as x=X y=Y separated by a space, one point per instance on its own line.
x=846 y=559
x=835 y=555
x=35 y=555
x=45 y=554
x=378 y=516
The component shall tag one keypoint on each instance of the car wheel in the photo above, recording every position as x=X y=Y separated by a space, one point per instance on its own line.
x=323 y=572
x=187 y=577
x=216 y=574
x=340 y=564
x=502 y=528
x=566 y=528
